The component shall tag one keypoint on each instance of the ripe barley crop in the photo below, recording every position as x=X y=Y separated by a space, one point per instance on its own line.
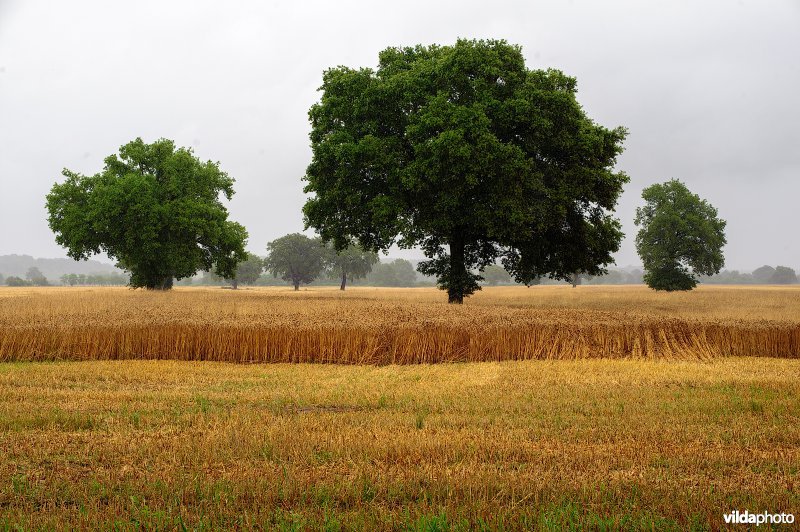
x=385 y=326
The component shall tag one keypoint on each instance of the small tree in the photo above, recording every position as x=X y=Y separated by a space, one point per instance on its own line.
x=13 y=280
x=35 y=277
x=248 y=271
x=495 y=274
x=763 y=274
x=154 y=208
x=783 y=275
x=350 y=263
x=399 y=272
x=295 y=258
x=2 y=279
x=680 y=237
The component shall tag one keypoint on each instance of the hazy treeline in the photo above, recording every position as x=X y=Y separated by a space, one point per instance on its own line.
x=763 y=275
x=387 y=272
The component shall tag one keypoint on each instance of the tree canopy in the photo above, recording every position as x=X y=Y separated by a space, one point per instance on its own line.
x=783 y=275
x=495 y=274
x=398 y=272
x=681 y=237
x=36 y=277
x=295 y=258
x=352 y=262
x=763 y=274
x=248 y=271
x=155 y=209
x=465 y=152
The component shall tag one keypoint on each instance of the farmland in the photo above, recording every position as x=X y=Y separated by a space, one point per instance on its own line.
x=533 y=444
x=397 y=326
x=594 y=407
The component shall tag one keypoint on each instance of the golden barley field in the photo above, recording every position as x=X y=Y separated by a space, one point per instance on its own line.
x=544 y=444
x=397 y=326
x=601 y=408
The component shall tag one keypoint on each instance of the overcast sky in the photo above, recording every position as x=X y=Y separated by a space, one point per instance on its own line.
x=708 y=90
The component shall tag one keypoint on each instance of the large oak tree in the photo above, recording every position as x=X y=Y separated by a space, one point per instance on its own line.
x=155 y=209
x=464 y=151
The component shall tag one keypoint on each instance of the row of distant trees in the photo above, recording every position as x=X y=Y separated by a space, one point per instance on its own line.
x=34 y=277
x=398 y=273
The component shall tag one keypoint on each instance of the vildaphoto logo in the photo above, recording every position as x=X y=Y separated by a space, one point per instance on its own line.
x=765 y=518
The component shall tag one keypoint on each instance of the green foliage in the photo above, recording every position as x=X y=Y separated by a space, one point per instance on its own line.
x=494 y=275
x=13 y=280
x=295 y=258
x=399 y=272
x=249 y=270
x=680 y=237
x=783 y=275
x=154 y=208
x=465 y=152
x=35 y=277
x=353 y=262
x=763 y=274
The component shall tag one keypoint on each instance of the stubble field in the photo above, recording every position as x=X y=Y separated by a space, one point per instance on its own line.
x=587 y=433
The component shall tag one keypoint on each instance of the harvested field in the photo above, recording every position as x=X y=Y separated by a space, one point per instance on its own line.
x=397 y=326
x=589 y=444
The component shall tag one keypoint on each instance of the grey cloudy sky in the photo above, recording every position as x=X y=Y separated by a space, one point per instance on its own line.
x=708 y=90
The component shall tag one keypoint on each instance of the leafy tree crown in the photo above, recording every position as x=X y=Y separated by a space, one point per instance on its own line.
x=681 y=237
x=154 y=208
x=465 y=152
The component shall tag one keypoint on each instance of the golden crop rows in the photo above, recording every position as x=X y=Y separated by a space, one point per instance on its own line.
x=385 y=326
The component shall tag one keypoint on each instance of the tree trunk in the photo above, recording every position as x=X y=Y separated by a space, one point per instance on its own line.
x=296 y=286
x=344 y=281
x=160 y=284
x=458 y=272
x=235 y=284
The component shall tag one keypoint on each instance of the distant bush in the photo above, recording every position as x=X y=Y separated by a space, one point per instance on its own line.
x=17 y=281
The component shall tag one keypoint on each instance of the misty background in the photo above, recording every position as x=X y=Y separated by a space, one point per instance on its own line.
x=708 y=92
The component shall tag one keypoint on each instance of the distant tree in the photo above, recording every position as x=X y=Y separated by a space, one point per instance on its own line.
x=576 y=279
x=17 y=281
x=467 y=153
x=209 y=278
x=635 y=276
x=399 y=272
x=612 y=277
x=295 y=258
x=783 y=275
x=495 y=274
x=248 y=271
x=350 y=263
x=35 y=277
x=154 y=208
x=763 y=274
x=680 y=237
x=2 y=279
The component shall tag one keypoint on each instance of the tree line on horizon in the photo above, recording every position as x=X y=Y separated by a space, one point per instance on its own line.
x=396 y=272
x=460 y=151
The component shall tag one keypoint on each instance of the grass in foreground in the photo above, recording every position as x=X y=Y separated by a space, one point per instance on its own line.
x=537 y=444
